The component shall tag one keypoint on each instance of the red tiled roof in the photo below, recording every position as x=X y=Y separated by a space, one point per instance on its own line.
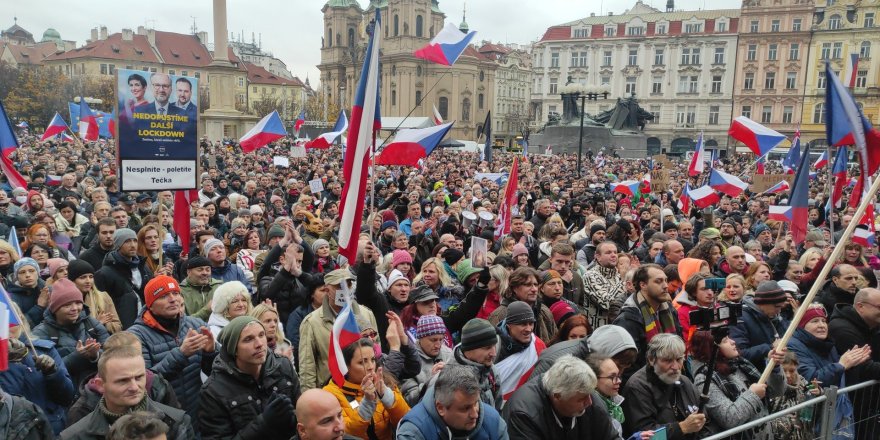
x=259 y=75
x=114 y=48
x=182 y=49
x=490 y=47
x=557 y=33
x=472 y=52
x=31 y=54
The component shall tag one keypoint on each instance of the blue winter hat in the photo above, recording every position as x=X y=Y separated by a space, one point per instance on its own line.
x=759 y=228
x=26 y=261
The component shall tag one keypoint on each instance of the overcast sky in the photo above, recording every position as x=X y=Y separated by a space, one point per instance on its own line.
x=291 y=29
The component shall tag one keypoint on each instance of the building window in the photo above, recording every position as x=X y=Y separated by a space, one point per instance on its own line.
x=635 y=30
x=254 y=89
x=658 y=57
x=103 y=69
x=184 y=73
x=152 y=69
x=747 y=111
x=554 y=59
x=610 y=30
x=688 y=84
x=837 y=51
x=774 y=26
x=819 y=113
x=834 y=22
x=722 y=26
x=630 y=85
x=679 y=115
x=796 y=24
x=171 y=71
x=685 y=56
x=419 y=25
x=655 y=111
x=820 y=82
x=791 y=80
x=691 y=115
x=771 y=52
x=865 y=50
x=553 y=86
x=753 y=26
x=787 y=114
x=606 y=58
x=716 y=84
x=794 y=51
x=714 y=110
x=770 y=80
x=396 y=25
x=418 y=70
x=112 y=69
x=657 y=85
x=719 y=55
x=198 y=74
x=394 y=97
x=466 y=109
x=582 y=59
x=241 y=81
x=692 y=28
x=444 y=107
x=633 y=57
x=766 y=114
x=826 y=51
x=749 y=81
x=604 y=80
x=690 y=56
x=869 y=19
x=480 y=100
x=752 y=52
x=581 y=33
x=861 y=79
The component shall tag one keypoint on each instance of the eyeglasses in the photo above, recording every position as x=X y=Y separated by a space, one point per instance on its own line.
x=872 y=305
x=371 y=335
x=613 y=378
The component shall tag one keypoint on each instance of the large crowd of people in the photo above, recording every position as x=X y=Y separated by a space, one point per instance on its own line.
x=577 y=326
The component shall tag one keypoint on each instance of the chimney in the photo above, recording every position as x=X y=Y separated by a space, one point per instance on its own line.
x=670 y=5
x=151 y=37
x=94 y=35
x=592 y=14
x=103 y=32
x=203 y=37
x=127 y=35
x=142 y=30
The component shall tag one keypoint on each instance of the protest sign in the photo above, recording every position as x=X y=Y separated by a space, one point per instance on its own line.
x=281 y=161
x=763 y=182
x=660 y=181
x=316 y=186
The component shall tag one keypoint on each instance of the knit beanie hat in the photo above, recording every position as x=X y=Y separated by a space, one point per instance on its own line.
x=465 y=270
x=121 y=236
x=769 y=292
x=815 y=310
x=226 y=293
x=519 y=312
x=211 y=244
x=78 y=268
x=596 y=227
x=561 y=311
x=396 y=276
x=388 y=224
x=452 y=256
x=197 y=261
x=228 y=337
x=158 y=287
x=430 y=325
x=625 y=225
x=26 y=261
x=276 y=231
x=478 y=333
x=318 y=243
x=519 y=249
x=400 y=256
x=63 y=292
x=759 y=228
x=548 y=275
x=54 y=264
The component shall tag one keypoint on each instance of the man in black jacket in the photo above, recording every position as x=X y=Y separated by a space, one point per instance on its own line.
x=124 y=276
x=94 y=255
x=282 y=278
x=842 y=288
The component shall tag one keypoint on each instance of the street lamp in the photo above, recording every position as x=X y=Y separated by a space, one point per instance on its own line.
x=584 y=93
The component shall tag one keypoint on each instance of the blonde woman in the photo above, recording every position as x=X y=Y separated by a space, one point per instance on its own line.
x=734 y=288
x=268 y=315
x=434 y=275
x=8 y=257
x=99 y=303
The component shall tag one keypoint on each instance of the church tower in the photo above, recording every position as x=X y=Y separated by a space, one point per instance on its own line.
x=341 y=50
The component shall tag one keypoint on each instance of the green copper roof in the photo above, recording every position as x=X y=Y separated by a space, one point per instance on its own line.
x=342 y=3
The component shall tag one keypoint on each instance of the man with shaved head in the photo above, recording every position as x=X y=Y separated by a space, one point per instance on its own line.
x=842 y=288
x=319 y=417
x=733 y=261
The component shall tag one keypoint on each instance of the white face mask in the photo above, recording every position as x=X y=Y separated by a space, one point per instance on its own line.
x=341 y=298
x=21 y=199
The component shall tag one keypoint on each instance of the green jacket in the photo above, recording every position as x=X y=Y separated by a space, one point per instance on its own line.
x=198 y=298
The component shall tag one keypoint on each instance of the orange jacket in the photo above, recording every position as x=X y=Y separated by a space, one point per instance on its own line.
x=384 y=419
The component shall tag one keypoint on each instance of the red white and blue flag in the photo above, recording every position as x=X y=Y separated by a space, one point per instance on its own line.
x=757 y=137
x=66 y=137
x=697 y=165
x=781 y=213
x=446 y=46
x=56 y=126
x=505 y=211
x=8 y=144
x=365 y=121
x=704 y=196
x=646 y=183
x=300 y=120
x=848 y=76
x=438 y=118
x=269 y=129
x=88 y=123
x=182 y=203
x=799 y=196
x=325 y=140
x=4 y=337
x=726 y=183
x=411 y=145
x=782 y=186
x=794 y=154
x=759 y=165
x=845 y=124
x=627 y=187
x=822 y=161
x=6 y=301
x=22 y=124
x=13 y=241
x=684 y=200
x=863 y=235
x=838 y=172
x=345 y=332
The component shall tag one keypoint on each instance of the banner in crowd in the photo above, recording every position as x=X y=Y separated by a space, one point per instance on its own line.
x=105 y=120
x=763 y=182
x=157 y=145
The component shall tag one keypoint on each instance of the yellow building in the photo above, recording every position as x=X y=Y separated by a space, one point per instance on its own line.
x=267 y=90
x=841 y=28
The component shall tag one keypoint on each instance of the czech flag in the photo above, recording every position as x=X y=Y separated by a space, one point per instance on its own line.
x=759 y=165
x=782 y=186
x=447 y=46
x=822 y=161
x=8 y=144
x=838 y=171
x=53 y=180
x=345 y=332
x=411 y=145
x=862 y=235
x=757 y=137
x=798 y=202
x=697 y=165
x=845 y=124
x=438 y=119
x=849 y=73
x=325 y=140
x=794 y=154
x=627 y=187
x=22 y=124
x=4 y=337
x=726 y=183
x=704 y=196
x=66 y=137
x=646 y=183
x=88 y=123
x=300 y=120
x=365 y=121
x=56 y=126
x=684 y=200
x=269 y=129
x=505 y=211
x=13 y=241
x=6 y=301
x=781 y=213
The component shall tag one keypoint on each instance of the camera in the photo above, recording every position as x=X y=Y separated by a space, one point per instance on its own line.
x=715 y=284
x=707 y=318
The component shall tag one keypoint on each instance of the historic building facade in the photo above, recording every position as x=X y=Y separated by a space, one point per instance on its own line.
x=513 y=83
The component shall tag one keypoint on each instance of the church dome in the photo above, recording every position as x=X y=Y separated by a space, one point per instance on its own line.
x=51 y=35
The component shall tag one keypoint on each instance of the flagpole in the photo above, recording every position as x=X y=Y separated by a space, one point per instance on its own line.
x=823 y=275
x=21 y=320
x=830 y=185
x=372 y=186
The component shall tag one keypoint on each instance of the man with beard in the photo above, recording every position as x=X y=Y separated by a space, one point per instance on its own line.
x=659 y=396
x=124 y=276
x=764 y=236
x=517 y=232
x=518 y=347
x=729 y=236
x=603 y=286
x=842 y=288
x=144 y=204
x=95 y=254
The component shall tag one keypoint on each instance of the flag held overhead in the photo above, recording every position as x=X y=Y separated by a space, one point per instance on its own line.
x=447 y=46
x=727 y=183
x=411 y=145
x=88 y=123
x=757 y=137
x=56 y=127
x=269 y=129
x=325 y=140
x=704 y=196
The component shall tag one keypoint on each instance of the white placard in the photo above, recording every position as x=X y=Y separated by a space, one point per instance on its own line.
x=316 y=186
x=281 y=161
x=297 y=151
x=149 y=175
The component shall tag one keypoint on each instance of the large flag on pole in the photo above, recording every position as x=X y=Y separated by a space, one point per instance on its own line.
x=412 y=145
x=800 y=193
x=300 y=120
x=182 y=203
x=757 y=137
x=88 y=123
x=794 y=154
x=697 y=164
x=486 y=129
x=56 y=127
x=438 y=118
x=845 y=124
x=8 y=144
x=502 y=223
x=446 y=46
x=365 y=121
x=838 y=173
x=726 y=183
x=269 y=129
x=850 y=71
x=325 y=140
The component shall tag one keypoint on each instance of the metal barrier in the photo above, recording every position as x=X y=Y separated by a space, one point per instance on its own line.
x=864 y=396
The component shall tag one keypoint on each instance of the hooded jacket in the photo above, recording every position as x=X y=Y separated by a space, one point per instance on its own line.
x=423 y=422
x=115 y=278
x=22 y=420
x=65 y=339
x=755 y=332
x=490 y=387
x=413 y=388
x=157 y=388
x=26 y=298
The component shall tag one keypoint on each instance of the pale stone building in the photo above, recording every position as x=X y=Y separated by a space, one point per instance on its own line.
x=513 y=83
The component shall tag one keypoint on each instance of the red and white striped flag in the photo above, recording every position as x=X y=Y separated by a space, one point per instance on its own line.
x=502 y=223
x=182 y=201
x=4 y=337
x=438 y=119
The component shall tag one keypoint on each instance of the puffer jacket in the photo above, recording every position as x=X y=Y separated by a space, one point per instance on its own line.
x=755 y=333
x=65 y=339
x=490 y=387
x=22 y=420
x=232 y=402
x=51 y=392
x=161 y=350
x=314 y=341
x=115 y=278
x=424 y=423
x=413 y=388
x=817 y=359
x=157 y=388
x=96 y=425
x=197 y=298
x=26 y=298
x=384 y=419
